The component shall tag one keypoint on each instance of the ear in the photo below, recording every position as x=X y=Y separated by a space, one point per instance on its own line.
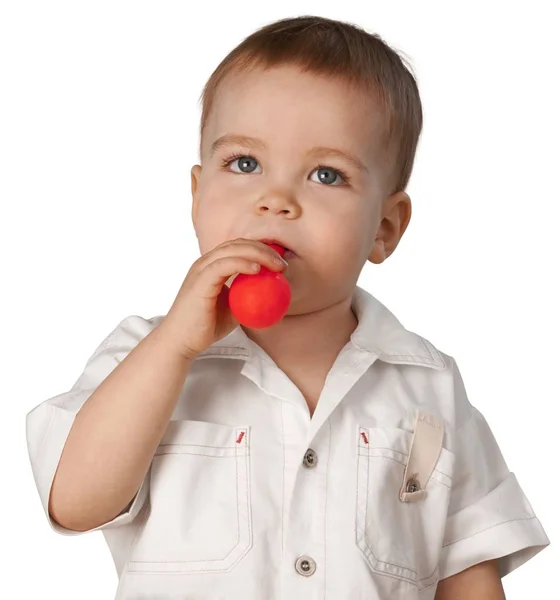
x=195 y=180
x=395 y=217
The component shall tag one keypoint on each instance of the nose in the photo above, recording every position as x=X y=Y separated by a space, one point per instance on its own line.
x=279 y=204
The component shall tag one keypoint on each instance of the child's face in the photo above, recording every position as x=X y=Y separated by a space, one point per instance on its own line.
x=280 y=193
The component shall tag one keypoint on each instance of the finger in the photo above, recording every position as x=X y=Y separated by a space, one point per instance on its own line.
x=216 y=273
x=255 y=252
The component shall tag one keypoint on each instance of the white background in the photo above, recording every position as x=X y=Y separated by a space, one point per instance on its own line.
x=98 y=130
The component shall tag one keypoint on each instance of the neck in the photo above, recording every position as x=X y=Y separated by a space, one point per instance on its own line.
x=308 y=337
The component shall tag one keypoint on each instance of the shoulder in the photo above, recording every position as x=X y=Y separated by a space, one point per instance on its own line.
x=437 y=385
x=129 y=331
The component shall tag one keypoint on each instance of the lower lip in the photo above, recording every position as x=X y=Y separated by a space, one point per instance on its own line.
x=288 y=254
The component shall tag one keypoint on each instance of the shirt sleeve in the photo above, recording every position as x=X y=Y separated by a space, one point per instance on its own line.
x=489 y=515
x=49 y=423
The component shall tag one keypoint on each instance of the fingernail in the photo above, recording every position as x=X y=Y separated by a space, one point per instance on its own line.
x=281 y=261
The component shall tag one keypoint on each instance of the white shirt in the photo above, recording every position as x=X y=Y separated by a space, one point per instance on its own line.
x=395 y=482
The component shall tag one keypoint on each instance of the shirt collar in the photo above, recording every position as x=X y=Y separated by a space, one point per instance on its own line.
x=378 y=332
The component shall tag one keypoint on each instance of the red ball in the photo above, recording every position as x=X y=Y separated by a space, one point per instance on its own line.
x=260 y=300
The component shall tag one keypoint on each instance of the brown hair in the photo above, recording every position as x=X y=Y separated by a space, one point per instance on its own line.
x=342 y=50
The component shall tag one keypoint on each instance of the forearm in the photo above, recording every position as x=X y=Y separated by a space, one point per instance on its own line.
x=481 y=581
x=116 y=432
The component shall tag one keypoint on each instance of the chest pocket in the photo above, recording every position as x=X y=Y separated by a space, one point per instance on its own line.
x=199 y=514
x=403 y=492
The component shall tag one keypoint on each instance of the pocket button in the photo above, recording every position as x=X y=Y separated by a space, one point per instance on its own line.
x=412 y=485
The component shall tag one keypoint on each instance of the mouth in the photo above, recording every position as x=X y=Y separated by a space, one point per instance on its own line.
x=288 y=253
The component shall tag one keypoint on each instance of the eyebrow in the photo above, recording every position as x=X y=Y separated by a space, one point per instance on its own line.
x=245 y=140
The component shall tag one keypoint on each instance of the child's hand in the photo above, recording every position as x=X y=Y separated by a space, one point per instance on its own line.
x=200 y=314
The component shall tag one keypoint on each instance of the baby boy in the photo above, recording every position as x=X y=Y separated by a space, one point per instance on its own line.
x=332 y=455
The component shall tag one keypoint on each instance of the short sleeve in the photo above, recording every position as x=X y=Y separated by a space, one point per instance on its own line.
x=49 y=423
x=489 y=515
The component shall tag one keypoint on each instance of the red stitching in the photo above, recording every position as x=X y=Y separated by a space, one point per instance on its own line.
x=365 y=437
x=240 y=437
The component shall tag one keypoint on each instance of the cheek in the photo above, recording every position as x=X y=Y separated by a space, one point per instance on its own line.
x=337 y=253
x=349 y=251
x=345 y=237
x=214 y=220
x=357 y=248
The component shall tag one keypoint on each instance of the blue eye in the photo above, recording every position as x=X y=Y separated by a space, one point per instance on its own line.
x=337 y=173
x=248 y=159
x=237 y=157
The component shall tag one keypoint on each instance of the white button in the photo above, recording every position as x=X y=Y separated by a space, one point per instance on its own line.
x=310 y=459
x=305 y=566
